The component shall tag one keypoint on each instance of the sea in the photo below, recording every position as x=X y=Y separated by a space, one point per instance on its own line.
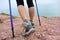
x=48 y=10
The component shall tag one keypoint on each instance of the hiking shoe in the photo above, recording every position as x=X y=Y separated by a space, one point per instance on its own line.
x=28 y=28
x=26 y=22
x=32 y=23
x=28 y=31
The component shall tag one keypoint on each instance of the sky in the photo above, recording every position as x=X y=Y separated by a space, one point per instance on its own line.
x=4 y=4
x=45 y=6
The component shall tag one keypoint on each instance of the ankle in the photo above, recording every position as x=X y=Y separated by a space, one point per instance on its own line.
x=32 y=22
x=26 y=23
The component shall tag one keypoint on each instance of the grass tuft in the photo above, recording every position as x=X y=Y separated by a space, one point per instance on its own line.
x=8 y=15
x=1 y=21
x=44 y=16
x=5 y=14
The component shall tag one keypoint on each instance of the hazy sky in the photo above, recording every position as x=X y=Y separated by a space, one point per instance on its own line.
x=46 y=7
x=4 y=4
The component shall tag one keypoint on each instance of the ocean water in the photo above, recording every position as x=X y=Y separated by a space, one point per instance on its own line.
x=48 y=10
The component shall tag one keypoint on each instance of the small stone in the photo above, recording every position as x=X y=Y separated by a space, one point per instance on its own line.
x=3 y=39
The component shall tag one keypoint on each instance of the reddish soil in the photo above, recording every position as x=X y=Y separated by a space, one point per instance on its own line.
x=49 y=29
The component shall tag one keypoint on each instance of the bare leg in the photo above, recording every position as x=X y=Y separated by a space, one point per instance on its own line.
x=22 y=12
x=31 y=13
x=26 y=23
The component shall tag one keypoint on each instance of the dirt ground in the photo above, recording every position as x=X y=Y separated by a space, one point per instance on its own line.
x=49 y=29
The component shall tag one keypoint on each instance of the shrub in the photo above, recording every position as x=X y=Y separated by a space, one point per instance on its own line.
x=44 y=16
x=1 y=21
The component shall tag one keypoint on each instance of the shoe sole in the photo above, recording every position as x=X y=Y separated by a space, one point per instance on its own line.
x=28 y=33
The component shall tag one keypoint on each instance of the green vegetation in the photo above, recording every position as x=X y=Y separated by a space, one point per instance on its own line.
x=5 y=14
x=1 y=21
x=44 y=16
x=13 y=17
x=8 y=15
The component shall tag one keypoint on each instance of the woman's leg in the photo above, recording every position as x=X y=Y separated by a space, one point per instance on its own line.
x=31 y=13
x=26 y=22
x=21 y=9
x=31 y=10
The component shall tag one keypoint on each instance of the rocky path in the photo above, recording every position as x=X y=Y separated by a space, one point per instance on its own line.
x=49 y=29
